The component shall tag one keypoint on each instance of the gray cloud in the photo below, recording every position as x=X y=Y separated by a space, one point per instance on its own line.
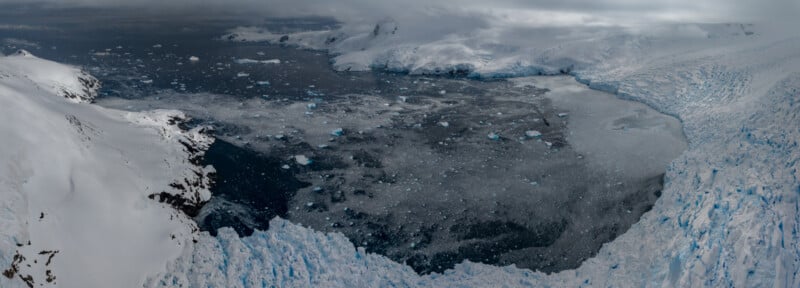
x=613 y=12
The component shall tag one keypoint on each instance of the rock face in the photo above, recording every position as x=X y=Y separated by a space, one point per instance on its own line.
x=75 y=180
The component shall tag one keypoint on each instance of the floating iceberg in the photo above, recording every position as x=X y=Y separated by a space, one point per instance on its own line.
x=302 y=160
x=533 y=134
x=252 y=61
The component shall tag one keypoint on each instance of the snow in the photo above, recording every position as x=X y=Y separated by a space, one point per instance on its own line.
x=728 y=215
x=75 y=180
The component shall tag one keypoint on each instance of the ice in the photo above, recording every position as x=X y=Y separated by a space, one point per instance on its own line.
x=493 y=136
x=302 y=160
x=194 y=58
x=533 y=134
x=253 y=61
x=337 y=132
x=242 y=75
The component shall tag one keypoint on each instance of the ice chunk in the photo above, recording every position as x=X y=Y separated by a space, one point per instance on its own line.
x=245 y=61
x=337 y=132
x=311 y=106
x=253 y=61
x=444 y=124
x=562 y=115
x=533 y=134
x=242 y=74
x=263 y=83
x=194 y=58
x=493 y=136
x=302 y=160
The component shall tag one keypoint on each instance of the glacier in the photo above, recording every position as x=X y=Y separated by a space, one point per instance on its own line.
x=728 y=215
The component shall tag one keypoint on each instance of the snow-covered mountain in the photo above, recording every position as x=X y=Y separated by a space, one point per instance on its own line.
x=81 y=186
x=729 y=212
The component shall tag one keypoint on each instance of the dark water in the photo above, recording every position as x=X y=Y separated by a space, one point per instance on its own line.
x=126 y=50
x=414 y=175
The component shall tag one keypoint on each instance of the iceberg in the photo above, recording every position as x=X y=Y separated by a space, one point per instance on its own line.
x=533 y=134
x=252 y=61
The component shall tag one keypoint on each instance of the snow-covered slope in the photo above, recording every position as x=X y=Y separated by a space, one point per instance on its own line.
x=75 y=180
x=729 y=212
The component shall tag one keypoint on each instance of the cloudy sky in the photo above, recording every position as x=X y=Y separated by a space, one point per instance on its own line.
x=535 y=12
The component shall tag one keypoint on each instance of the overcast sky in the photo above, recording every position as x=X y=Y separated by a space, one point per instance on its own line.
x=592 y=12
